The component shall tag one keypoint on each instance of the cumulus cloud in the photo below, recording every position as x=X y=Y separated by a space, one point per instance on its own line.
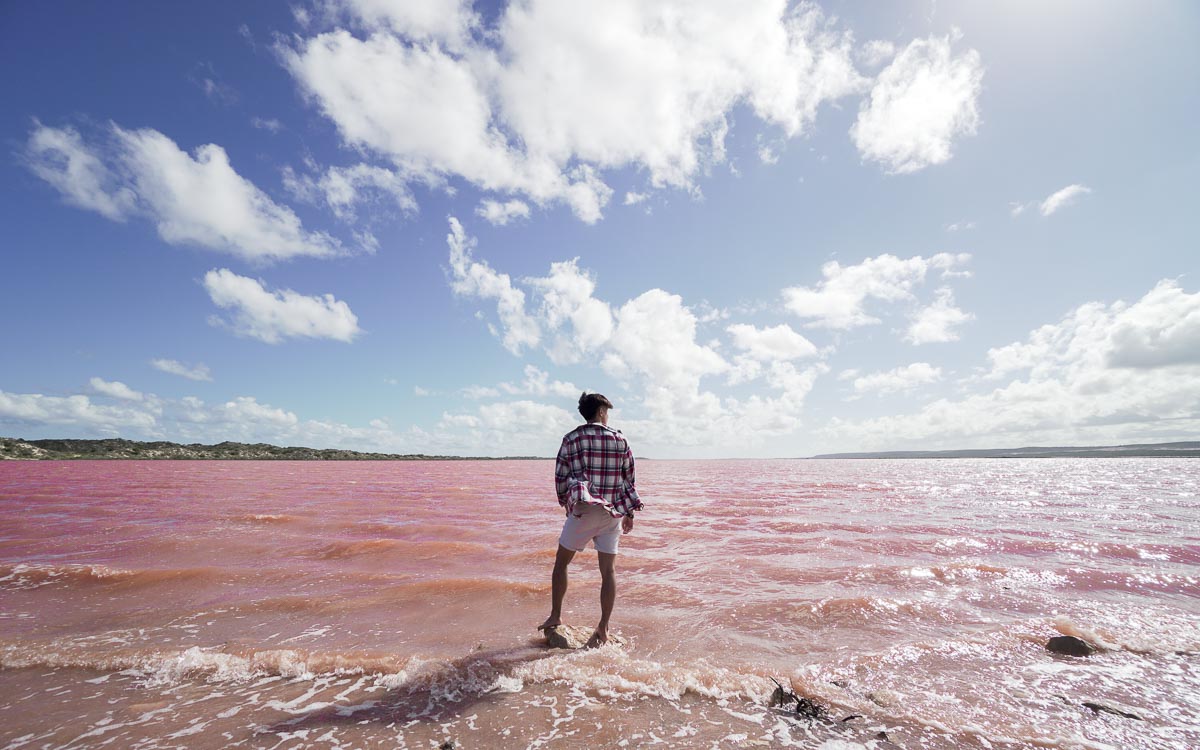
x=553 y=93
x=199 y=371
x=114 y=389
x=538 y=383
x=771 y=344
x=472 y=278
x=921 y=103
x=937 y=322
x=274 y=316
x=499 y=214
x=904 y=378
x=1105 y=372
x=194 y=199
x=1062 y=198
x=567 y=298
x=35 y=409
x=650 y=344
x=839 y=301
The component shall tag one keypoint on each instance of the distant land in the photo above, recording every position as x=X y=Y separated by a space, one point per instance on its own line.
x=1189 y=450
x=117 y=448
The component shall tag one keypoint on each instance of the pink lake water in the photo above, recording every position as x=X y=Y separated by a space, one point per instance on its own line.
x=287 y=605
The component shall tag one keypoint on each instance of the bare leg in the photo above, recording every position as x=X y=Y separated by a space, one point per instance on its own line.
x=558 y=587
x=608 y=595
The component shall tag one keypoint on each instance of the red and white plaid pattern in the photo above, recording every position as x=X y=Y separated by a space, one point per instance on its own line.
x=595 y=465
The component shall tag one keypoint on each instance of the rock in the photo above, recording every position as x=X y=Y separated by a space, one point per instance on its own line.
x=1100 y=708
x=575 y=637
x=809 y=708
x=1069 y=645
x=805 y=707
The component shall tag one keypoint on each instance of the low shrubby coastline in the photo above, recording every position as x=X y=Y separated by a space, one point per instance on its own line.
x=118 y=448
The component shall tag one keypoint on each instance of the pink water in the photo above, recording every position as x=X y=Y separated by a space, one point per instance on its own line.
x=355 y=605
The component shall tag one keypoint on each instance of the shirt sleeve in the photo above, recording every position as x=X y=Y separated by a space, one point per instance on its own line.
x=628 y=501
x=562 y=473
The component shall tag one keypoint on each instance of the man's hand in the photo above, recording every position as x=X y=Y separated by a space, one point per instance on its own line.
x=626 y=524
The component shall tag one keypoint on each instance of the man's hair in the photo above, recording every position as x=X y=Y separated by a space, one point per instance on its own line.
x=590 y=403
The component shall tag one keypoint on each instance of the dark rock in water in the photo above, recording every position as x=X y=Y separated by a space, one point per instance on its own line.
x=809 y=709
x=1070 y=646
x=1100 y=708
x=575 y=637
x=805 y=707
x=448 y=745
x=852 y=717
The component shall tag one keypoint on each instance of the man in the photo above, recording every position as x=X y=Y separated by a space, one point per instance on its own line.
x=593 y=477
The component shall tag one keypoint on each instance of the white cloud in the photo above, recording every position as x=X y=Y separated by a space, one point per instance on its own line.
x=115 y=389
x=1161 y=330
x=649 y=345
x=1105 y=373
x=480 y=392
x=421 y=392
x=554 y=92
x=960 y=226
x=1062 y=198
x=904 y=378
x=771 y=344
x=201 y=200
x=473 y=278
x=446 y=21
x=920 y=104
x=341 y=188
x=269 y=124
x=875 y=52
x=58 y=156
x=839 y=301
x=197 y=200
x=499 y=214
x=35 y=409
x=632 y=198
x=538 y=383
x=567 y=297
x=174 y=367
x=274 y=316
x=499 y=425
x=936 y=322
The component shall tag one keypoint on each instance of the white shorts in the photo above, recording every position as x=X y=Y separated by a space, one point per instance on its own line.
x=594 y=524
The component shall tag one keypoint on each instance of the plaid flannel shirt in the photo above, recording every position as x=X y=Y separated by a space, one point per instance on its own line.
x=595 y=465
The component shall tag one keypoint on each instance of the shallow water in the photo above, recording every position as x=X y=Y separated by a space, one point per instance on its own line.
x=371 y=604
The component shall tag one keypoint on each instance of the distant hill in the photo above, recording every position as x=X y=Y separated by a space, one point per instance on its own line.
x=1191 y=450
x=117 y=448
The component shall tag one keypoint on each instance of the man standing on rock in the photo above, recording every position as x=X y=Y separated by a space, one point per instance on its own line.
x=593 y=477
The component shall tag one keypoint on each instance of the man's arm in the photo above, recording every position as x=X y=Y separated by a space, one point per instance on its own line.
x=562 y=472
x=629 y=500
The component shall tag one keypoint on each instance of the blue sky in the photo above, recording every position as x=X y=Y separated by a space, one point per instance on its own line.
x=762 y=229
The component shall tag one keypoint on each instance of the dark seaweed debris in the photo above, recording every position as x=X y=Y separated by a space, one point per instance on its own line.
x=805 y=707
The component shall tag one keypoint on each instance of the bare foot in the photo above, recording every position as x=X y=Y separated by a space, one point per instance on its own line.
x=599 y=638
x=551 y=623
